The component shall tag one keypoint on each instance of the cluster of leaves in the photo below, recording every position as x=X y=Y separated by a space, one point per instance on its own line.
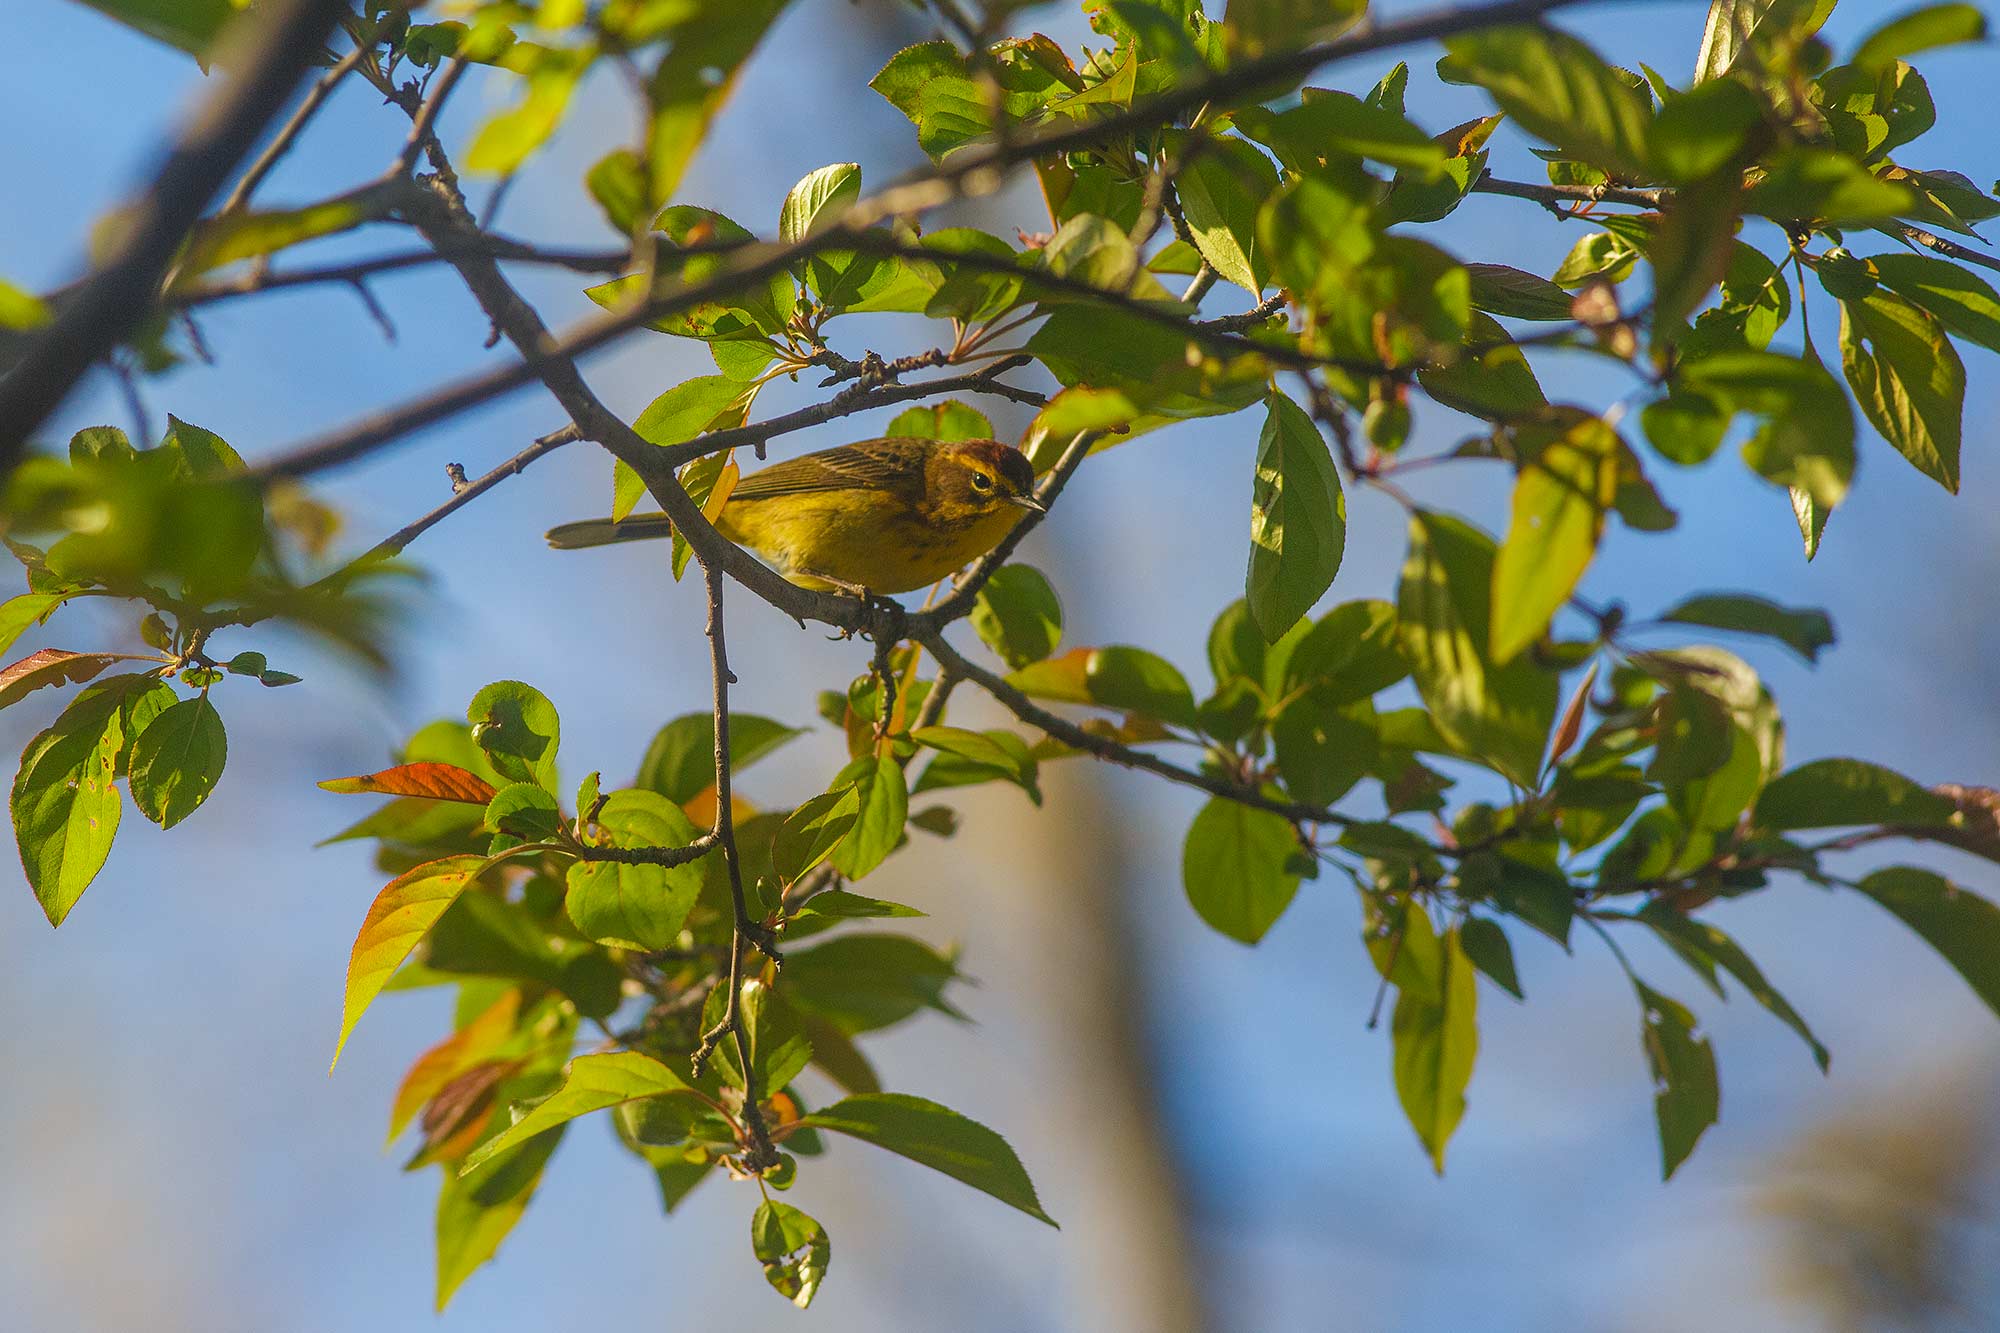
x=174 y=528
x=501 y=893
x=1525 y=767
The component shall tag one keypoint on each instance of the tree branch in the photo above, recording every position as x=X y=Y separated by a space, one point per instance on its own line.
x=281 y=143
x=289 y=36
x=1069 y=733
x=858 y=398
x=187 y=295
x=395 y=542
x=759 y=1156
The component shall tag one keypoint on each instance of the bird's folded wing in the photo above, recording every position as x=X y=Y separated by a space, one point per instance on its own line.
x=871 y=465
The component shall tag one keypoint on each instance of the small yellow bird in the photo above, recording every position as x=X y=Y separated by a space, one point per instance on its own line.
x=881 y=516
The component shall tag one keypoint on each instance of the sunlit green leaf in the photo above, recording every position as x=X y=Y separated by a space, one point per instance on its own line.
x=937 y=1137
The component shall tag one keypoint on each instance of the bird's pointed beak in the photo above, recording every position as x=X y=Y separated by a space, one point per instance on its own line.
x=1029 y=503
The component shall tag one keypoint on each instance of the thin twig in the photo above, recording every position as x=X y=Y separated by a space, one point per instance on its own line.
x=760 y=1156
x=970 y=172
x=290 y=35
x=423 y=124
x=1249 y=319
x=465 y=495
x=860 y=398
x=281 y=143
x=187 y=294
x=651 y=856
x=1069 y=733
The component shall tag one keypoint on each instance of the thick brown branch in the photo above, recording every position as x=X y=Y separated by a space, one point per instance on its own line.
x=290 y=35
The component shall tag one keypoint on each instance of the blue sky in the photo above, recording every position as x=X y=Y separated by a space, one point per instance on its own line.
x=177 y=1156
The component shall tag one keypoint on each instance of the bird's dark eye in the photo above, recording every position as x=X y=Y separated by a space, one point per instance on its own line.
x=981 y=482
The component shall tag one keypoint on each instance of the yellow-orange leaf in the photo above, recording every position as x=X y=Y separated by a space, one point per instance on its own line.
x=438 y=782
x=401 y=915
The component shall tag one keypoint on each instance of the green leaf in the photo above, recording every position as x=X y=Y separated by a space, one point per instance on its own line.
x=507 y=139
x=523 y=811
x=691 y=82
x=1253 y=27
x=244 y=235
x=1558 y=89
x=1144 y=682
x=1298 y=519
x=1350 y=654
x=936 y=1137
x=1961 y=926
x=1500 y=290
x=793 y=1248
x=1804 y=631
x=1329 y=119
x=1486 y=947
x=815 y=202
x=1569 y=476
x=1821 y=185
x=516 y=726
x=878 y=782
x=1017 y=615
x=811 y=832
x=1238 y=866
x=949 y=420
x=1436 y=1040
x=476 y=1212
x=589 y=1083
x=860 y=983
x=1698 y=133
x=190 y=25
x=1709 y=945
x=177 y=760
x=1960 y=300
x=1830 y=793
x=1221 y=190
x=65 y=804
x=397 y=921
x=930 y=84
x=1807 y=441
x=1089 y=343
x=680 y=762
x=1687 y=1098
x=1908 y=379
x=688 y=409
x=1500 y=715
x=1322 y=747
x=636 y=906
x=981 y=754
x=19 y=614
x=1919 y=30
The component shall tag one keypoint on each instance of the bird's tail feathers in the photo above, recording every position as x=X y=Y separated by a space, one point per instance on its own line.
x=605 y=532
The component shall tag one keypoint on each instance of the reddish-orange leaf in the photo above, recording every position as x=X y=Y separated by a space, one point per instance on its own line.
x=438 y=782
x=1571 y=725
x=457 y=1117
x=55 y=666
x=451 y=1057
